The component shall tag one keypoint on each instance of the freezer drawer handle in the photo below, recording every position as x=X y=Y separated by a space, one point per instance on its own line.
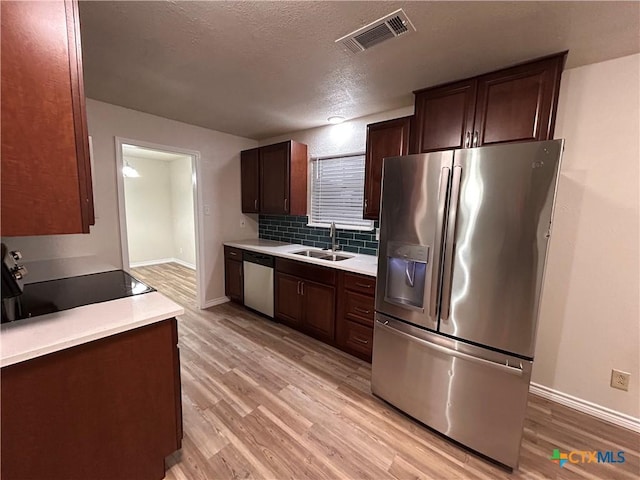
x=455 y=353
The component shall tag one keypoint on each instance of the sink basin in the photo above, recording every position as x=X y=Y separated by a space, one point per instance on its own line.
x=311 y=253
x=323 y=255
x=335 y=257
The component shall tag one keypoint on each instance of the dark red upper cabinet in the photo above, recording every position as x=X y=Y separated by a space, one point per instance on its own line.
x=281 y=181
x=250 y=180
x=519 y=103
x=274 y=178
x=384 y=139
x=46 y=174
x=444 y=117
x=510 y=105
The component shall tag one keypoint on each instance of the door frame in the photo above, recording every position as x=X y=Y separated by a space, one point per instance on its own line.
x=196 y=167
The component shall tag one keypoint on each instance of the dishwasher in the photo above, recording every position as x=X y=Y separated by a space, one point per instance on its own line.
x=258 y=282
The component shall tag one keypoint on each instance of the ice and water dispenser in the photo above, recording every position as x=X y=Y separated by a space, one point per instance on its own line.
x=406 y=274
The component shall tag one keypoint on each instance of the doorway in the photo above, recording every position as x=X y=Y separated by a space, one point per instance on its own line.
x=159 y=208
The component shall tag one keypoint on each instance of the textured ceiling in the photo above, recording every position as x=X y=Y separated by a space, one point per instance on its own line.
x=259 y=69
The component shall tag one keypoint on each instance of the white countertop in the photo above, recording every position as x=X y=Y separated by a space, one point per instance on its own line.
x=358 y=263
x=33 y=337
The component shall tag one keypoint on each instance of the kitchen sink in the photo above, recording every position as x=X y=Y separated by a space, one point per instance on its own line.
x=311 y=253
x=323 y=255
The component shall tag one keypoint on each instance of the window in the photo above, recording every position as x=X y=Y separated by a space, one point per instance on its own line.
x=337 y=192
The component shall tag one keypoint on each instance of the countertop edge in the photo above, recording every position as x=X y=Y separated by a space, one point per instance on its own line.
x=162 y=308
x=348 y=267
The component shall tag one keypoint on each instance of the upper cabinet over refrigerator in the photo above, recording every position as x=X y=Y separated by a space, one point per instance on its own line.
x=515 y=104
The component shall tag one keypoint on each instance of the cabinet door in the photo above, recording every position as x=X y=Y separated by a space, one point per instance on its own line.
x=519 y=103
x=250 y=180
x=46 y=175
x=288 y=306
x=444 y=117
x=384 y=139
x=274 y=178
x=233 y=284
x=319 y=303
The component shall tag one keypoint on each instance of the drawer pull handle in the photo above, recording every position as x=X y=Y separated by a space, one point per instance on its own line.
x=361 y=340
x=363 y=285
x=362 y=310
x=233 y=254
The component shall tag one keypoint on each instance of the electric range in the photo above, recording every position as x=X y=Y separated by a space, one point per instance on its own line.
x=41 y=298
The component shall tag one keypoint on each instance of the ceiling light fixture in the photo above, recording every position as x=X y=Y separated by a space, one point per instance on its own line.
x=335 y=119
x=129 y=171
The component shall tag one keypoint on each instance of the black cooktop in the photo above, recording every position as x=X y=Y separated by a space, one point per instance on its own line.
x=63 y=294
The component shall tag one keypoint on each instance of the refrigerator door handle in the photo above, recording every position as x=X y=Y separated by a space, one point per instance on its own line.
x=445 y=174
x=450 y=242
x=505 y=367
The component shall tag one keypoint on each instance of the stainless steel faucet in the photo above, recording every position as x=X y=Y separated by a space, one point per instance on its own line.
x=332 y=233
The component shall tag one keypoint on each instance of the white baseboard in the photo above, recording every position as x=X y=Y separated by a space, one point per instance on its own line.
x=584 y=406
x=148 y=263
x=183 y=263
x=159 y=261
x=215 y=301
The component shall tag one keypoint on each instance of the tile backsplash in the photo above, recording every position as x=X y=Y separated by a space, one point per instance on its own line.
x=294 y=229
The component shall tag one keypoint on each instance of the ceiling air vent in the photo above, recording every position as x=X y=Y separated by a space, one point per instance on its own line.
x=385 y=28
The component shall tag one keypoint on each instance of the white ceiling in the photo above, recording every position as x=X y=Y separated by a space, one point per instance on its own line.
x=259 y=69
x=134 y=151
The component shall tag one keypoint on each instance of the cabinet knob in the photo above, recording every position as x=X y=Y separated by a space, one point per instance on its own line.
x=19 y=272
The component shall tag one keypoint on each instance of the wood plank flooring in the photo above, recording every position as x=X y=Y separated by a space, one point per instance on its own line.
x=263 y=401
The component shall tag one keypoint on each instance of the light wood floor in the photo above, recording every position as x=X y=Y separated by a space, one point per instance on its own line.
x=263 y=401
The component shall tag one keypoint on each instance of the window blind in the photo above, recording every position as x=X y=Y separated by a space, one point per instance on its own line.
x=337 y=191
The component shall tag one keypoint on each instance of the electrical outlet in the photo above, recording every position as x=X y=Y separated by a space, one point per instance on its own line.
x=620 y=380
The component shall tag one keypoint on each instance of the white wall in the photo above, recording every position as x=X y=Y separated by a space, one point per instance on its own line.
x=590 y=315
x=347 y=137
x=182 y=215
x=219 y=184
x=149 y=213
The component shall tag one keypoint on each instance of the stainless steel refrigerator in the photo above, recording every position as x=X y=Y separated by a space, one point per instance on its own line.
x=463 y=244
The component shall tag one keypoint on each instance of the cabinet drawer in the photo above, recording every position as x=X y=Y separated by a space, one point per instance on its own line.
x=360 y=283
x=358 y=337
x=307 y=271
x=358 y=307
x=233 y=253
